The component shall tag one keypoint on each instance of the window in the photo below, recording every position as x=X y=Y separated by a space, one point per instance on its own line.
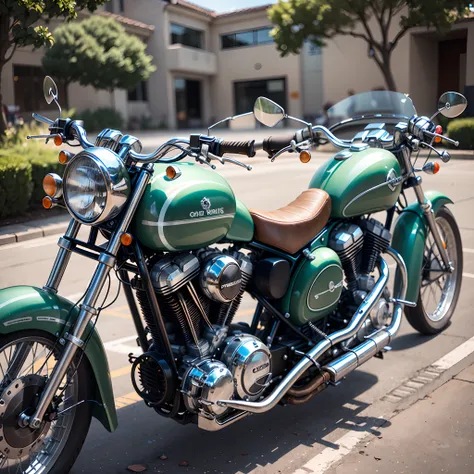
x=245 y=93
x=122 y=6
x=186 y=36
x=139 y=93
x=247 y=38
x=28 y=88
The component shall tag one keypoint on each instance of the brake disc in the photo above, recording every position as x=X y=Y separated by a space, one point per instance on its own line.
x=21 y=396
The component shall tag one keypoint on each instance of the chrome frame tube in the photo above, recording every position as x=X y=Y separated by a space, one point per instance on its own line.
x=428 y=212
x=377 y=341
x=311 y=357
x=87 y=309
x=62 y=258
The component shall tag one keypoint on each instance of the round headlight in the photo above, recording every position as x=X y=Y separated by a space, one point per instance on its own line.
x=96 y=185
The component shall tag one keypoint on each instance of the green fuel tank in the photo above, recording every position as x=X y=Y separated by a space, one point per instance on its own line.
x=193 y=210
x=360 y=182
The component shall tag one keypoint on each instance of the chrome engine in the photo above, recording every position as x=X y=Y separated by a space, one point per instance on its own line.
x=199 y=294
x=358 y=246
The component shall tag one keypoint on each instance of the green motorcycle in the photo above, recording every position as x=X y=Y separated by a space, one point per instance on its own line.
x=315 y=268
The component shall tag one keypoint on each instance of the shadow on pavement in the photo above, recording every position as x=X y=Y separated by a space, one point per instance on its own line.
x=407 y=341
x=260 y=440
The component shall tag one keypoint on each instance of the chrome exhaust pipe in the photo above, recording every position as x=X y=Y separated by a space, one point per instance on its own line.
x=311 y=357
x=375 y=343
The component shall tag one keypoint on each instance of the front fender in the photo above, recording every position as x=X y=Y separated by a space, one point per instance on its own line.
x=27 y=307
x=409 y=238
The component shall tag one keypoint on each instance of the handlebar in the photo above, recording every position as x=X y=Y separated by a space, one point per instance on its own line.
x=221 y=147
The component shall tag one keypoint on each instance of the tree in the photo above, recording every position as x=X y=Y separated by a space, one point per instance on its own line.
x=17 y=26
x=98 y=52
x=317 y=20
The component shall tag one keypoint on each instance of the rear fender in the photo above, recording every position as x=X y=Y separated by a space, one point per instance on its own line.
x=409 y=238
x=26 y=307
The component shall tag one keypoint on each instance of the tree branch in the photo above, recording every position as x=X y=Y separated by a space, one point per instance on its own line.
x=398 y=37
x=7 y=58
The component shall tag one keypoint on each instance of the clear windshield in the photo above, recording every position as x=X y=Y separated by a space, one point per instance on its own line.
x=379 y=103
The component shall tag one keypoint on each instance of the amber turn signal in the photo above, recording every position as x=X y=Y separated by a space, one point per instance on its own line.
x=173 y=172
x=53 y=185
x=126 y=239
x=47 y=202
x=436 y=167
x=305 y=156
x=58 y=140
x=64 y=157
x=439 y=131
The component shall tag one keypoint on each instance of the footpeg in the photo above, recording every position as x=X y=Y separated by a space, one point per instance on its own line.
x=411 y=304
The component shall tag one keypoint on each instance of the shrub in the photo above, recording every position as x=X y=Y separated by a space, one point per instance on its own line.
x=23 y=166
x=98 y=119
x=462 y=130
x=15 y=184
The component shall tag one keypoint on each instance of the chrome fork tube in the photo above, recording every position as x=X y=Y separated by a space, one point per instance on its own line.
x=73 y=340
x=428 y=213
x=311 y=357
x=62 y=258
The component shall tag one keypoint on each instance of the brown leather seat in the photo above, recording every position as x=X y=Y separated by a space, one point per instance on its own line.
x=292 y=227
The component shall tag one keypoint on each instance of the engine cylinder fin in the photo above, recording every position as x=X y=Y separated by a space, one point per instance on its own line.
x=376 y=241
x=149 y=318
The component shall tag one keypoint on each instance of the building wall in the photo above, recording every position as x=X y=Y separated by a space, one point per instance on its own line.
x=250 y=63
x=346 y=65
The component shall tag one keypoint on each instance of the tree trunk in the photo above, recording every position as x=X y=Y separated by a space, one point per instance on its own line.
x=386 y=69
x=3 y=119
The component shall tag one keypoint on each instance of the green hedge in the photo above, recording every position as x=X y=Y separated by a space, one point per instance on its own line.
x=462 y=130
x=22 y=169
x=98 y=119
x=15 y=185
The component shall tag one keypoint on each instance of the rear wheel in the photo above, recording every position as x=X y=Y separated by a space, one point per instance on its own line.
x=26 y=362
x=439 y=289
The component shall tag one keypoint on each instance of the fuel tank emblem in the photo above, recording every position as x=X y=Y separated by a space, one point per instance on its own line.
x=205 y=203
x=393 y=180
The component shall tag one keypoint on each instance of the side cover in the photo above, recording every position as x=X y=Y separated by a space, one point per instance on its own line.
x=409 y=238
x=27 y=307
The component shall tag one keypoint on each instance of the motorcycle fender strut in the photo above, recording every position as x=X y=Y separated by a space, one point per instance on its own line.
x=409 y=236
x=26 y=307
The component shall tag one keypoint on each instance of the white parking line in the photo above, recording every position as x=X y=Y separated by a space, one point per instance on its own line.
x=117 y=345
x=468 y=275
x=468 y=250
x=346 y=443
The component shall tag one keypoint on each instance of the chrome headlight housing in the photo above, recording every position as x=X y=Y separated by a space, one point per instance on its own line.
x=96 y=185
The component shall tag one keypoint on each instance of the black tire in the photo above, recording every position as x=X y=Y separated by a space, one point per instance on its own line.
x=418 y=316
x=82 y=413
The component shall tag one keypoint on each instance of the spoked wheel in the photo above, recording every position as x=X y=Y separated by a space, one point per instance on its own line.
x=26 y=362
x=439 y=290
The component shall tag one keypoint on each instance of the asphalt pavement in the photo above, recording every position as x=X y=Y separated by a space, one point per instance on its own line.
x=286 y=438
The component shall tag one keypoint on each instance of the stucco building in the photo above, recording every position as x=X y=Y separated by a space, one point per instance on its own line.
x=211 y=66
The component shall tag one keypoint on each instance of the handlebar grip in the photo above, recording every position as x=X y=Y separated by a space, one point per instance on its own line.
x=240 y=148
x=273 y=144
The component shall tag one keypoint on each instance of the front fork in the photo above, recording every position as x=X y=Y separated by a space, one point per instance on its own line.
x=107 y=259
x=429 y=214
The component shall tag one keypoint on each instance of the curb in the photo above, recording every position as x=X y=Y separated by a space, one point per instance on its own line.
x=22 y=232
x=423 y=383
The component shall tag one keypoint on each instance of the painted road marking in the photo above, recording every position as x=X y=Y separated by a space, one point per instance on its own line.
x=468 y=275
x=128 y=399
x=468 y=250
x=120 y=372
x=118 y=345
x=346 y=443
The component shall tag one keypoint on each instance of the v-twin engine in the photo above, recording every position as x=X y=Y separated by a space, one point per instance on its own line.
x=199 y=295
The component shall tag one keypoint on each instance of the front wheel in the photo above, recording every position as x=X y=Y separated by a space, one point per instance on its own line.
x=26 y=361
x=439 y=289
